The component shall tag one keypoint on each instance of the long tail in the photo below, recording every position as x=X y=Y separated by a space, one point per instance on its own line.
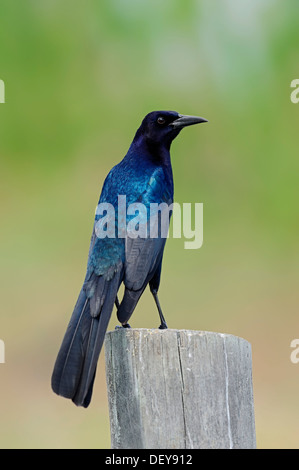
x=76 y=363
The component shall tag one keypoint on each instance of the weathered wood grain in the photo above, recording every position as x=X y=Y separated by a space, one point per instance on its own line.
x=179 y=389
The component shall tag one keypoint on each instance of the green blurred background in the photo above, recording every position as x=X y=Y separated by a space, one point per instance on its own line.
x=79 y=78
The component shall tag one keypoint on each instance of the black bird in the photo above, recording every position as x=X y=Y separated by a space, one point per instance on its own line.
x=143 y=176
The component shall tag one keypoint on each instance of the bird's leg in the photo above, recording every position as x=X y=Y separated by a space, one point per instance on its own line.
x=163 y=325
x=125 y=325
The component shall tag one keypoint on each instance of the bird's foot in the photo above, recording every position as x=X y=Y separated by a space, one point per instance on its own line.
x=126 y=325
x=163 y=326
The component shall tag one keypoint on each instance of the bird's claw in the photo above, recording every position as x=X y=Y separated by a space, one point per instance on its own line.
x=163 y=326
x=126 y=325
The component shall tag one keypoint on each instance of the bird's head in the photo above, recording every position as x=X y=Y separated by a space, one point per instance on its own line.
x=159 y=128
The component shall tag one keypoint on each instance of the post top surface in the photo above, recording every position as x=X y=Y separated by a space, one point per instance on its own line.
x=171 y=331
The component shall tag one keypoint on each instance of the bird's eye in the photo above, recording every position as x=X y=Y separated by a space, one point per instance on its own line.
x=161 y=120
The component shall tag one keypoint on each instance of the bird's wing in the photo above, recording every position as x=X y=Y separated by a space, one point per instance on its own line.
x=105 y=259
x=143 y=254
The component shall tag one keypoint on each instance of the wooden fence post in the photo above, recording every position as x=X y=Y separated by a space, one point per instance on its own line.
x=179 y=389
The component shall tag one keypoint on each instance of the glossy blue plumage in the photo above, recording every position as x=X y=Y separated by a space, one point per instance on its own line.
x=143 y=176
x=139 y=179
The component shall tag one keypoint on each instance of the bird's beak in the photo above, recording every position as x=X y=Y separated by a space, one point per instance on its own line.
x=183 y=121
